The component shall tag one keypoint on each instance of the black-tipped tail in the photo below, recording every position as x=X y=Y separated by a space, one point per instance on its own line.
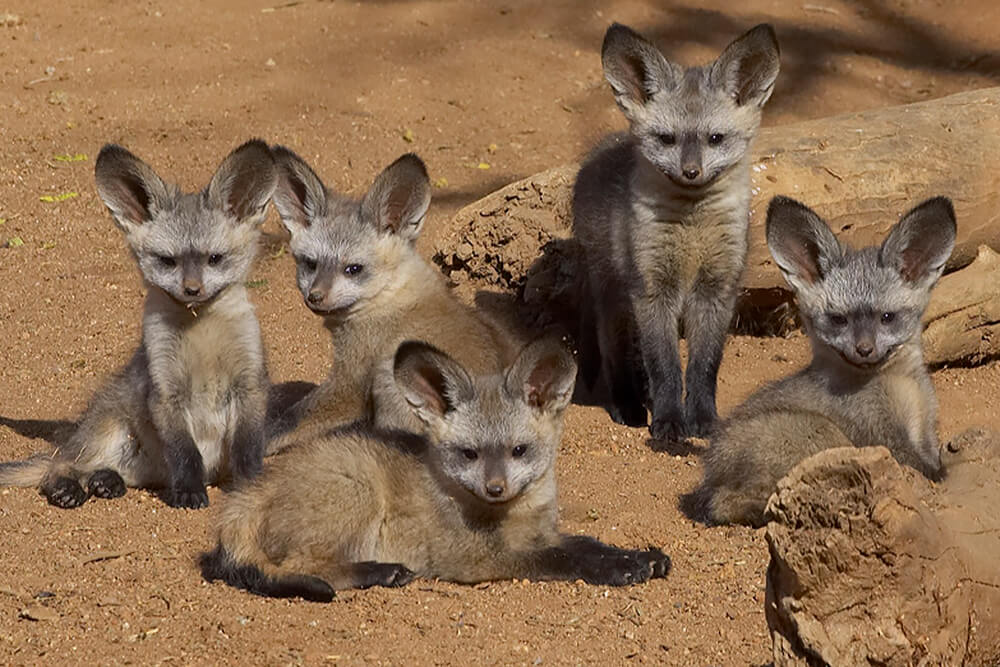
x=218 y=564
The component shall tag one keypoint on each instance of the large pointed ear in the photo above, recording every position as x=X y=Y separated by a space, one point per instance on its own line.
x=398 y=199
x=432 y=383
x=300 y=196
x=128 y=187
x=244 y=183
x=543 y=375
x=635 y=68
x=802 y=244
x=919 y=245
x=748 y=68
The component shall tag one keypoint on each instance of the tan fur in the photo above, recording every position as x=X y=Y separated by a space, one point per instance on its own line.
x=472 y=498
x=398 y=296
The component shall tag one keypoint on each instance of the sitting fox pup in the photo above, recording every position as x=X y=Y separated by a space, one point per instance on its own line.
x=472 y=500
x=188 y=408
x=866 y=385
x=357 y=268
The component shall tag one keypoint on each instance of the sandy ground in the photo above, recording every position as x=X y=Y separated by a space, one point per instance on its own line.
x=514 y=86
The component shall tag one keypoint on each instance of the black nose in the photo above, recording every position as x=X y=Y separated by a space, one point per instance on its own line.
x=314 y=297
x=864 y=349
x=192 y=291
x=495 y=490
x=691 y=174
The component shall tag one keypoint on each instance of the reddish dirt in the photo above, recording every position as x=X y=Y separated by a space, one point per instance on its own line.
x=513 y=85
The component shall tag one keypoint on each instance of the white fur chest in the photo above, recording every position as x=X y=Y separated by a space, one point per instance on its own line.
x=198 y=363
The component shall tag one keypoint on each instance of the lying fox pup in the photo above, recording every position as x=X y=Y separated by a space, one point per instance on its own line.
x=866 y=385
x=357 y=268
x=472 y=500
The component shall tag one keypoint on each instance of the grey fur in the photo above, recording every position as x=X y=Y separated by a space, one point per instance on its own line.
x=188 y=408
x=866 y=385
x=661 y=215
x=472 y=499
x=358 y=269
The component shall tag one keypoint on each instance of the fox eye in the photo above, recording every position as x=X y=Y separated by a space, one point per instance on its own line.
x=519 y=451
x=470 y=454
x=667 y=138
x=888 y=318
x=837 y=320
x=214 y=259
x=354 y=269
x=309 y=263
x=167 y=260
x=715 y=139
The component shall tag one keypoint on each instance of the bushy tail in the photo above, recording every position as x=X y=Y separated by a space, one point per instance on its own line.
x=218 y=564
x=29 y=472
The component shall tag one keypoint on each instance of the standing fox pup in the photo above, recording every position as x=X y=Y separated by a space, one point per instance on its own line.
x=661 y=214
x=866 y=385
x=188 y=408
x=472 y=500
x=357 y=268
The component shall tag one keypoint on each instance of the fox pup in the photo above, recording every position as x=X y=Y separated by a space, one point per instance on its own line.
x=866 y=384
x=188 y=408
x=358 y=269
x=661 y=215
x=472 y=498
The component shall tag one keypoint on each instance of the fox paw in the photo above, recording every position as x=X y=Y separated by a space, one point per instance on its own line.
x=632 y=567
x=106 y=483
x=667 y=429
x=191 y=499
x=630 y=414
x=390 y=575
x=65 y=492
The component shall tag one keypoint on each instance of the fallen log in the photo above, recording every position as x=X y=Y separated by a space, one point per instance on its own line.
x=873 y=564
x=963 y=318
x=860 y=171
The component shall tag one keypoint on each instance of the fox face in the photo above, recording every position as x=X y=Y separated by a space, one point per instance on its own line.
x=345 y=250
x=863 y=305
x=191 y=246
x=490 y=436
x=692 y=123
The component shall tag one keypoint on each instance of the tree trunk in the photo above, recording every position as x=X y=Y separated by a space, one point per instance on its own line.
x=873 y=564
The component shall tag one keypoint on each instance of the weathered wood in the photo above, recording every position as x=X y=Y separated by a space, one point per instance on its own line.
x=873 y=564
x=963 y=318
x=861 y=171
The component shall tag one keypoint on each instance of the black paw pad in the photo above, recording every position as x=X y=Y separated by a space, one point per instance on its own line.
x=106 y=483
x=65 y=492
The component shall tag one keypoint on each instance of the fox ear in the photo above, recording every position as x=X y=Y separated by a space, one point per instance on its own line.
x=300 y=195
x=802 y=244
x=398 y=199
x=748 y=67
x=543 y=375
x=128 y=187
x=635 y=68
x=919 y=245
x=432 y=383
x=244 y=182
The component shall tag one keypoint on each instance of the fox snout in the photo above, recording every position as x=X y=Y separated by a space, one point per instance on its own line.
x=326 y=294
x=690 y=159
x=496 y=489
x=192 y=283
